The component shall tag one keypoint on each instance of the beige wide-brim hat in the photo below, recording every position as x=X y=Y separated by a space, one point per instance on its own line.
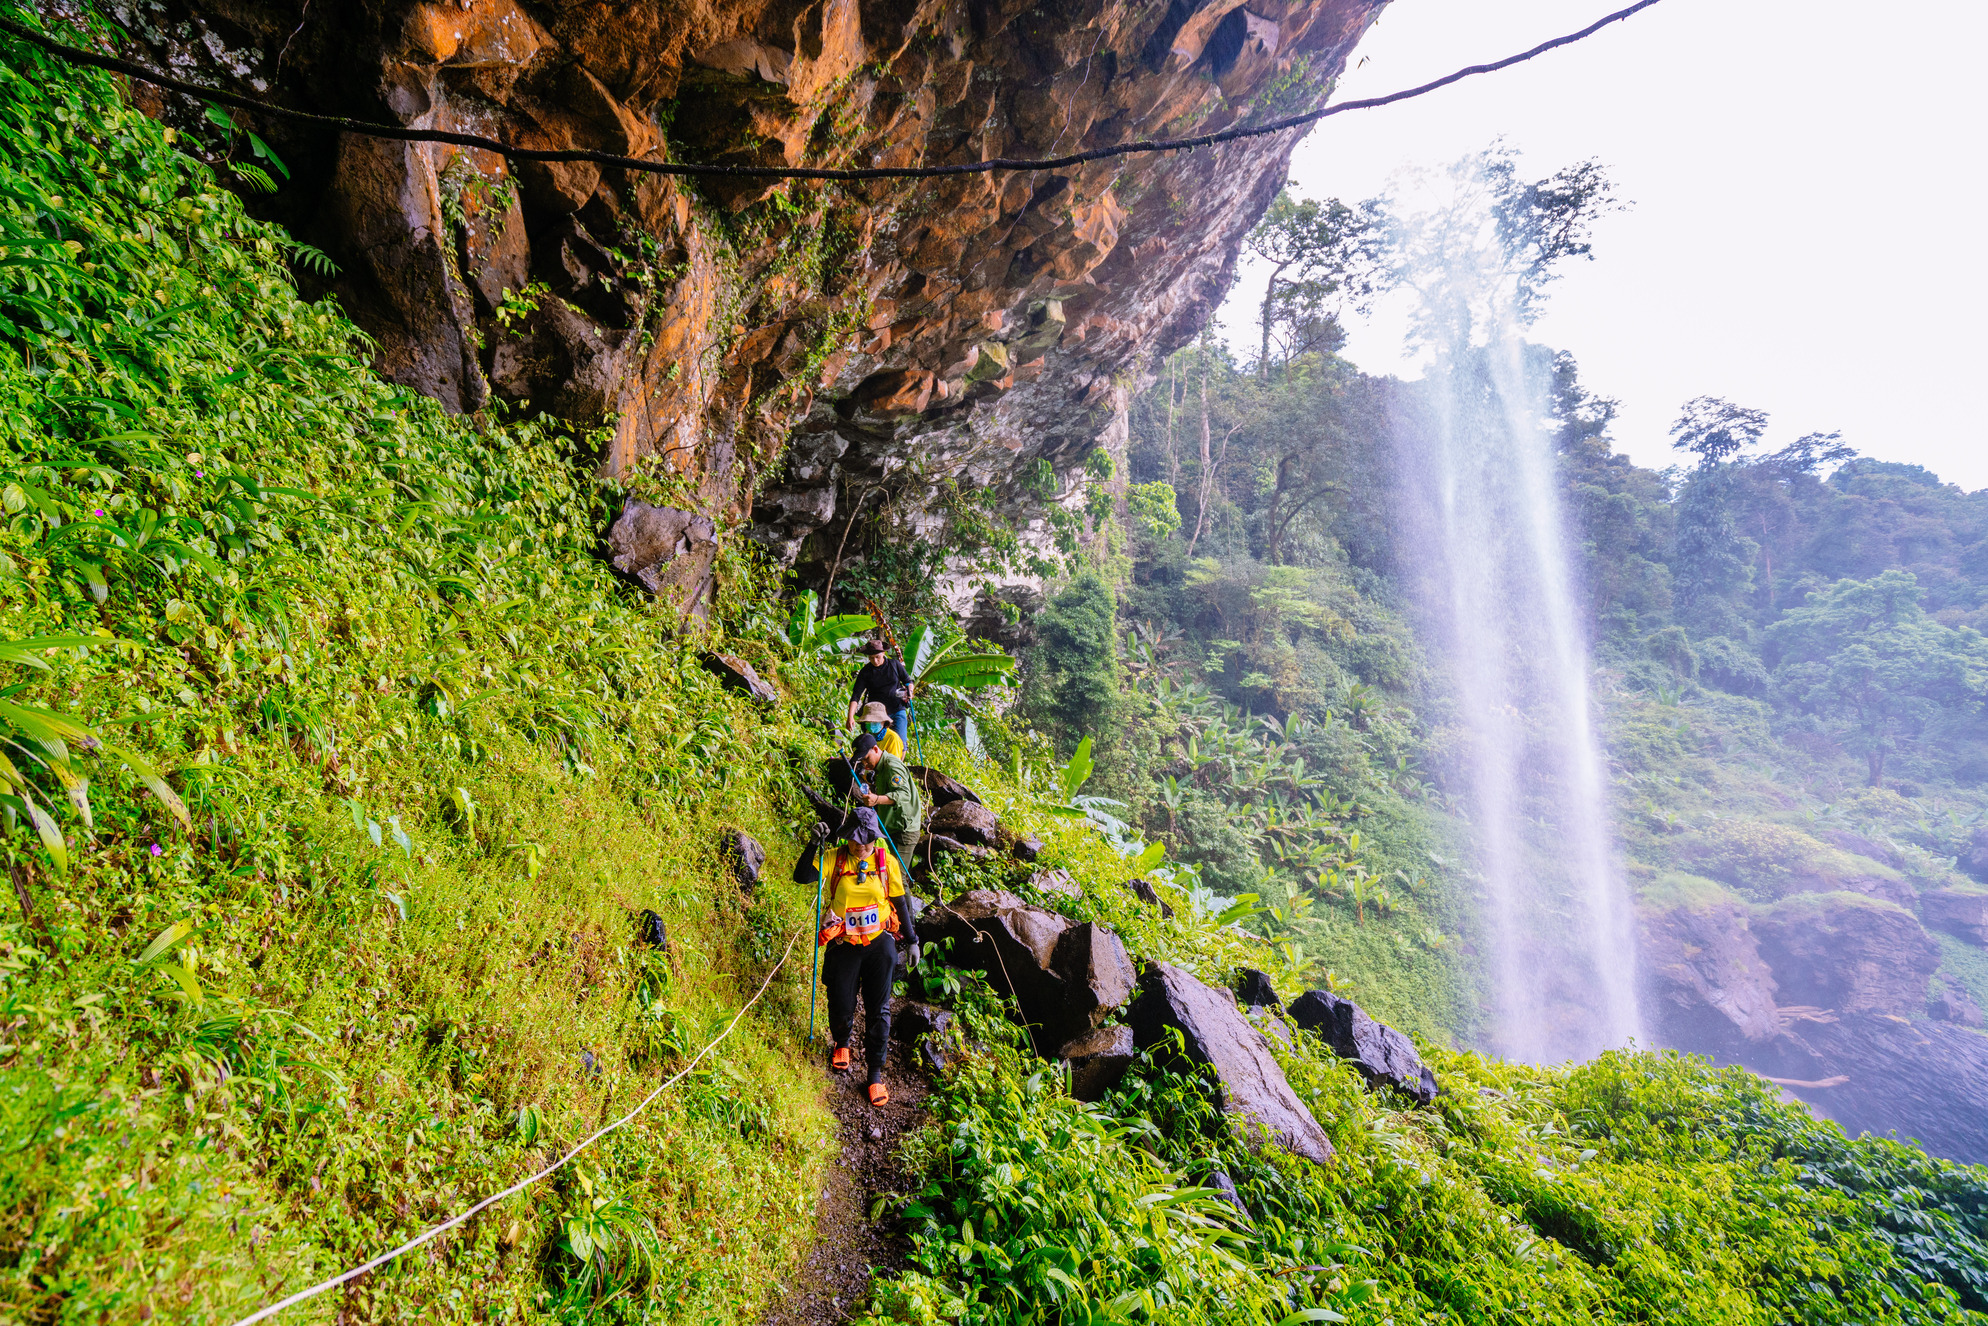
x=873 y=713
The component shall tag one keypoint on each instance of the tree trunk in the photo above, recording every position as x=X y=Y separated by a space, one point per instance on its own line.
x=1207 y=469
x=1263 y=321
x=1875 y=761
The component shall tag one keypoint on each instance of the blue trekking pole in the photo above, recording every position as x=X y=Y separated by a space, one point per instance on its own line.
x=814 y=968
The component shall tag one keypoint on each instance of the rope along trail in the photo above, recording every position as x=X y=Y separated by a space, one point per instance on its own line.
x=76 y=55
x=522 y=1184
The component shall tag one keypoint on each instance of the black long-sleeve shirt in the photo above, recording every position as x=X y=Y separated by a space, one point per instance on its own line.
x=882 y=684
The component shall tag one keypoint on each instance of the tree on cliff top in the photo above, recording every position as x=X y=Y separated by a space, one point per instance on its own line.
x=1864 y=655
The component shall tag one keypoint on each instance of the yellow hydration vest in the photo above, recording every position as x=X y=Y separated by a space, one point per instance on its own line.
x=861 y=885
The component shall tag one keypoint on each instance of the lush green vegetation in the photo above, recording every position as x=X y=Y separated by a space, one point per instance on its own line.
x=433 y=758
x=362 y=949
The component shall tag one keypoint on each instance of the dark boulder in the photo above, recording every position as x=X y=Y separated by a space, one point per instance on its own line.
x=668 y=552
x=1021 y=846
x=1847 y=952
x=745 y=856
x=1959 y=912
x=941 y=790
x=1383 y=1055
x=1214 y=1033
x=650 y=930
x=1143 y=890
x=735 y=674
x=1097 y=1059
x=922 y=1027
x=1065 y=977
x=966 y=821
x=1253 y=990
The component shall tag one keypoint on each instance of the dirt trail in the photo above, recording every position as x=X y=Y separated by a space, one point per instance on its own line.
x=834 y=1281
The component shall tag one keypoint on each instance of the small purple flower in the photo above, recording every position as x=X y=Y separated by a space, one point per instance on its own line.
x=200 y=474
x=157 y=850
x=96 y=513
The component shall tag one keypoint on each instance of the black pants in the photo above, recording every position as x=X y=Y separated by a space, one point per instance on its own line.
x=873 y=967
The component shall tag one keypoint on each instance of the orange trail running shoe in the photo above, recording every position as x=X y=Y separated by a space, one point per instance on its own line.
x=839 y=1061
x=879 y=1094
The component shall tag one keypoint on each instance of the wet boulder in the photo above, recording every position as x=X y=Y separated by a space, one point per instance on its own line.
x=745 y=857
x=941 y=790
x=1383 y=1055
x=735 y=674
x=1214 y=1033
x=1960 y=912
x=1253 y=990
x=1064 y=976
x=1705 y=984
x=1143 y=890
x=1097 y=1059
x=1021 y=846
x=967 y=822
x=1847 y=952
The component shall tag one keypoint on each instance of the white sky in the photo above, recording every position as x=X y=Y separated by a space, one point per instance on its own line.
x=1809 y=183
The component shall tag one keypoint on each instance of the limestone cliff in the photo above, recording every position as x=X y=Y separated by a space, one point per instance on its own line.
x=781 y=350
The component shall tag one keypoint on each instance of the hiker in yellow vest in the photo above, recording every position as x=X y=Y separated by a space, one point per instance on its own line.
x=876 y=721
x=866 y=923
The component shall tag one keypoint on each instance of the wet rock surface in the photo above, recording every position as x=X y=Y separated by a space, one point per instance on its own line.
x=1065 y=977
x=1254 y=990
x=1383 y=1055
x=1962 y=913
x=942 y=789
x=1847 y=953
x=1705 y=983
x=1098 y=1060
x=743 y=854
x=983 y=323
x=1251 y=1085
x=1922 y=1079
x=967 y=822
x=737 y=675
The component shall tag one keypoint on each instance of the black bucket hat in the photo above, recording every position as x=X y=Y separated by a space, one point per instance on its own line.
x=863 y=827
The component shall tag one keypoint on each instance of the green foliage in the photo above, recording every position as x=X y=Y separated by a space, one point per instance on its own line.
x=1865 y=654
x=432 y=757
x=1636 y=1188
x=1073 y=687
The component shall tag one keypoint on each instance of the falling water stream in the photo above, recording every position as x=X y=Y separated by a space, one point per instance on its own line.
x=1486 y=547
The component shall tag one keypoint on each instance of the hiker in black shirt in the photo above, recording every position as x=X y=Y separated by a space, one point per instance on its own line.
x=884 y=680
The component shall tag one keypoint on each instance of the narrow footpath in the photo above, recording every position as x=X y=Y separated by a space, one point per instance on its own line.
x=833 y=1283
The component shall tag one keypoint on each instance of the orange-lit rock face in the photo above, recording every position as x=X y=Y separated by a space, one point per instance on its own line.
x=786 y=348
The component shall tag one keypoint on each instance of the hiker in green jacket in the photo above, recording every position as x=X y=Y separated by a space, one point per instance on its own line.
x=893 y=793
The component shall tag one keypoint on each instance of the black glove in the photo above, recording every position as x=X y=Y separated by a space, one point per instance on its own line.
x=819 y=833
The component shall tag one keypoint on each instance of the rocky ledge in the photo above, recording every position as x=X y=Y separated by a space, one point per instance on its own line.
x=780 y=351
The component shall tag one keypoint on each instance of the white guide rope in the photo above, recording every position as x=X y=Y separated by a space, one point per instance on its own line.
x=419 y=1239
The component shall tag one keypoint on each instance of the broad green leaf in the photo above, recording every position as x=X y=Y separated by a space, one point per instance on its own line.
x=29 y=651
x=185 y=980
x=164 y=940
x=969 y=672
x=1148 y=859
x=155 y=783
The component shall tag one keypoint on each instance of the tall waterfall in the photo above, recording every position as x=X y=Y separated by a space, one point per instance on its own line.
x=1486 y=546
